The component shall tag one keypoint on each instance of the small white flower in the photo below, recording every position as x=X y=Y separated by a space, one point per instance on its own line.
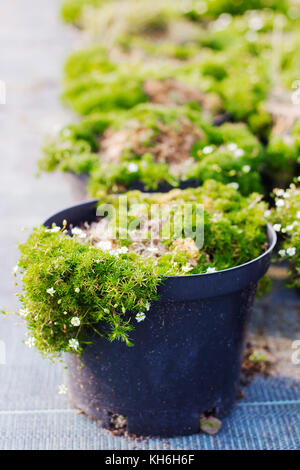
x=267 y=213
x=55 y=229
x=211 y=270
x=277 y=227
x=75 y=321
x=282 y=253
x=232 y=147
x=239 y=153
x=280 y=192
x=147 y=306
x=51 y=291
x=280 y=203
x=23 y=312
x=77 y=290
x=246 y=168
x=132 y=168
x=30 y=342
x=140 y=317
x=62 y=389
x=78 y=232
x=208 y=149
x=298 y=215
x=291 y=251
x=298 y=178
x=15 y=270
x=234 y=185
x=104 y=245
x=73 y=343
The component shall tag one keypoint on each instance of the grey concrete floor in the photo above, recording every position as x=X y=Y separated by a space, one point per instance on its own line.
x=33 y=46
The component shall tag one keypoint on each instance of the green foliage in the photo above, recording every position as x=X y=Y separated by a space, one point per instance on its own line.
x=282 y=159
x=214 y=8
x=75 y=148
x=118 y=177
x=231 y=55
x=193 y=9
x=65 y=279
x=71 y=10
x=229 y=153
x=99 y=93
x=234 y=226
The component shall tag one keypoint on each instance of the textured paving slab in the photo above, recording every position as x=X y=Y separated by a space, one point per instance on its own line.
x=33 y=45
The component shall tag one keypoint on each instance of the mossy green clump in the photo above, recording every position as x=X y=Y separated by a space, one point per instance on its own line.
x=231 y=55
x=229 y=153
x=72 y=290
x=234 y=82
x=119 y=89
x=213 y=8
x=76 y=146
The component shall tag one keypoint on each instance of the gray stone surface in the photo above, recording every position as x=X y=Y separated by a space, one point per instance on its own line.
x=33 y=45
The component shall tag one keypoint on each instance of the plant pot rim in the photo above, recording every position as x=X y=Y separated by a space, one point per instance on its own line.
x=212 y=284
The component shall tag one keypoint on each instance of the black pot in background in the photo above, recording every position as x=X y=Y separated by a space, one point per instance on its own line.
x=187 y=354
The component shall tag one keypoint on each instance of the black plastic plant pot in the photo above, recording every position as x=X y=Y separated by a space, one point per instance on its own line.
x=186 y=357
x=79 y=182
